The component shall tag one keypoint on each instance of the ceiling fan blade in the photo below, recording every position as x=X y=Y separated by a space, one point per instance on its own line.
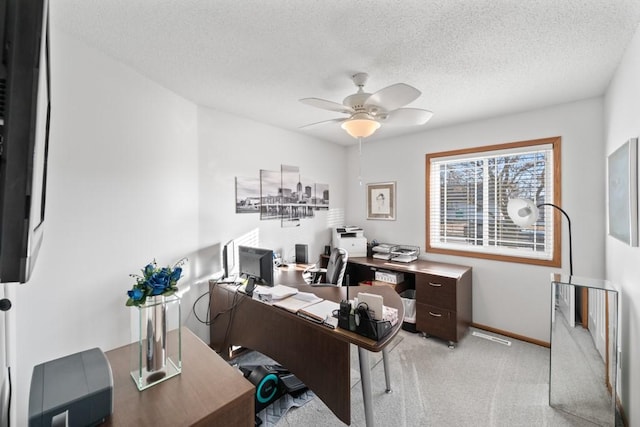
x=327 y=105
x=394 y=96
x=322 y=122
x=408 y=117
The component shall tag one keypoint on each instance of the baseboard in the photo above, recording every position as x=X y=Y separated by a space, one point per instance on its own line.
x=512 y=335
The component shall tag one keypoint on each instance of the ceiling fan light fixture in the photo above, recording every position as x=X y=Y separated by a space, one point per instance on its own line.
x=360 y=126
x=367 y=111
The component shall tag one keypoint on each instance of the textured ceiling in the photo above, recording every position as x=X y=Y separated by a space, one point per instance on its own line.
x=471 y=59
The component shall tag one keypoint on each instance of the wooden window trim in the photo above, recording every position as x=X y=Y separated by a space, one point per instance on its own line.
x=556 y=261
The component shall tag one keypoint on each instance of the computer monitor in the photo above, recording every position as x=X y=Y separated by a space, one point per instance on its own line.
x=256 y=264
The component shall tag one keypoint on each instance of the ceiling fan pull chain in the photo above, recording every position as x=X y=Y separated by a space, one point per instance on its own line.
x=360 y=160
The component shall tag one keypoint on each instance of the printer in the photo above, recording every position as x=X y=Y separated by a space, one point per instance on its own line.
x=75 y=390
x=351 y=239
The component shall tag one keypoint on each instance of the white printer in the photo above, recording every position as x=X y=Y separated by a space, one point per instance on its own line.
x=351 y=239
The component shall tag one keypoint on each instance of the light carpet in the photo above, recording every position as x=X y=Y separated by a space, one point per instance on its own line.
x=479 y=383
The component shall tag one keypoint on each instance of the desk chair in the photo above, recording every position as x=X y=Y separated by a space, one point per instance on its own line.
x=333 y=275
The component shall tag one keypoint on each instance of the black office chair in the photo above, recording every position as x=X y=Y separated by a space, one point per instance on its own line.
x=333 y=275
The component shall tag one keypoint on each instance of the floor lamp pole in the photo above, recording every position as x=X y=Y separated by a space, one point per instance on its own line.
x=570 y=245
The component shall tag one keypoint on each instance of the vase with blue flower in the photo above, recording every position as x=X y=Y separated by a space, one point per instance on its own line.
x=158 y=324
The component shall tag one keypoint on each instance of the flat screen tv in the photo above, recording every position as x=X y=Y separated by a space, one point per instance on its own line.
x=256 y=264
x=24 y=134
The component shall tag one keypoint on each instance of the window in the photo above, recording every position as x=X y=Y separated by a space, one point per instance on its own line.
x=467 y=195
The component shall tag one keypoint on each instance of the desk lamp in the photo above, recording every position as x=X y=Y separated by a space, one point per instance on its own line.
x=524 y=213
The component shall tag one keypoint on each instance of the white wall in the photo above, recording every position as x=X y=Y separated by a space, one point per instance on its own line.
x=134 y=176
x=507 y=296
x=230 y=147
x=122 y=189
x=622 y=121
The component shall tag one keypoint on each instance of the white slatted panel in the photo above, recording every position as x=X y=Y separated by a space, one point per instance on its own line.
x=469 y=194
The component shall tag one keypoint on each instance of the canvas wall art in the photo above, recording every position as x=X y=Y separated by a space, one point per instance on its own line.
x=622 y=167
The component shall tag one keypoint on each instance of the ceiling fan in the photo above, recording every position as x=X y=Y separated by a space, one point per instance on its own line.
x=368 y=111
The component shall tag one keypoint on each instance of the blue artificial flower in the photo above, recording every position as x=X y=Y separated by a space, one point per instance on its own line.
x=135 y=294
x=156 y=281
x=176 y=274
x=148 y=270
x=159 y=282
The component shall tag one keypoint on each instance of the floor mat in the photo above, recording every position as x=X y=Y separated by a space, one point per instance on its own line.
x=272 y=413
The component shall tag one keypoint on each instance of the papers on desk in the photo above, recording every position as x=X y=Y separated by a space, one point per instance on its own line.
x=273 y=294
x=297 y=301
x=321 y=312
x=390 y=314
x=304 y=304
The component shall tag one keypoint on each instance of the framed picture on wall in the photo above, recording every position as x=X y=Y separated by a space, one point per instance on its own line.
x=381 y=200
x=622 y=167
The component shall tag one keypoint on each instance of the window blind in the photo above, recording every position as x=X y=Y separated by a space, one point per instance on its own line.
x=469 y=192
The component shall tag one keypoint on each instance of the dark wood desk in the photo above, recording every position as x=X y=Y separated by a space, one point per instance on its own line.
x=208 y=392
x=316 y=354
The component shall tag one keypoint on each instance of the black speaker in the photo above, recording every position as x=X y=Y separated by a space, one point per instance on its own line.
x=302 y=254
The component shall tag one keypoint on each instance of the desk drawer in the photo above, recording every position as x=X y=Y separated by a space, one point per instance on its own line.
x=436 y=321
x=436 y=290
